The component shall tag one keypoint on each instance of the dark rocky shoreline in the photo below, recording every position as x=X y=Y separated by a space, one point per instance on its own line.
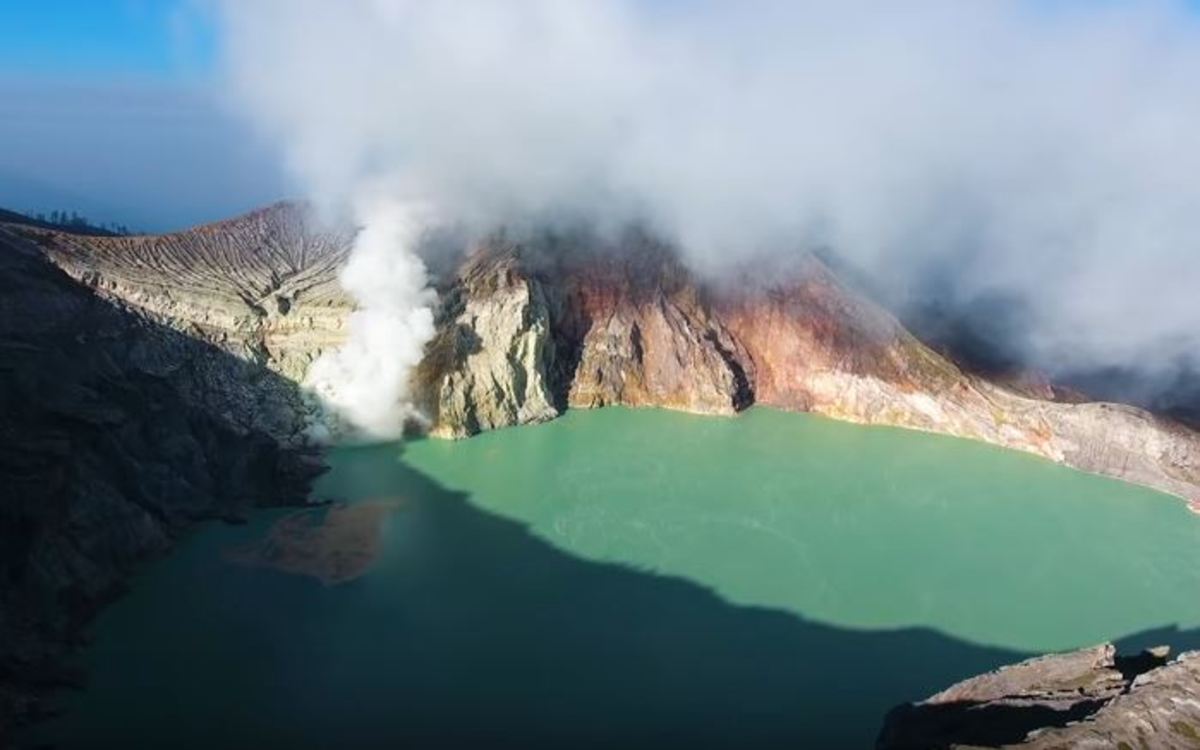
x=150 y=383
x=119 y=434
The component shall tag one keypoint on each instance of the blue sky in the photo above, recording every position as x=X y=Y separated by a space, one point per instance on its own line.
x=166 y=39
x=113 y=108
x=102 y=38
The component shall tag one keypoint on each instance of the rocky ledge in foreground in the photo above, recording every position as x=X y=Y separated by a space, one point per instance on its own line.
x=529 y=326
x=1089 y=698
x=154 y=383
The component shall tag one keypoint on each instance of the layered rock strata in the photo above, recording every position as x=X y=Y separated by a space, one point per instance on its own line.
x=148 y=382
x=632 y=326
x=118 y=433
x=1089 y=698
x=261 y=286
x=528 y=328
x=491 y=363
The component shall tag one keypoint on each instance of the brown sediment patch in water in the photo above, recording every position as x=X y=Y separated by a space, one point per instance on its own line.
x=334 y=544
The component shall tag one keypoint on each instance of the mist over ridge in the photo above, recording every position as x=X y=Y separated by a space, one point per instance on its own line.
x=1041 y=152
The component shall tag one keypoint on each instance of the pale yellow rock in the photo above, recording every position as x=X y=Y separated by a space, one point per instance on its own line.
x=501 y=352
x=519 y=340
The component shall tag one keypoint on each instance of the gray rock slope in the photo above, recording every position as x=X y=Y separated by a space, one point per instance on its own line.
x=528 y=327
x=117 y=434
x=148 y=382
x=1089 y=699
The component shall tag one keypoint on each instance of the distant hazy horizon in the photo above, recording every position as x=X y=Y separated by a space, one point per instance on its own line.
x=112 y=108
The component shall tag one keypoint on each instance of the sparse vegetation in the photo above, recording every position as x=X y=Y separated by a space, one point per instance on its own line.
x=73 y=220
x=69 y=221
x=1186 y=730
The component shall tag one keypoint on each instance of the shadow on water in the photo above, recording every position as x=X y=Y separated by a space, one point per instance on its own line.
x=1171 y=635
x=526 y=643
x=473 y=632
x=974 y=724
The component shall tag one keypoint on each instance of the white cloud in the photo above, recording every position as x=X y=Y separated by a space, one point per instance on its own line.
x=1049 y=150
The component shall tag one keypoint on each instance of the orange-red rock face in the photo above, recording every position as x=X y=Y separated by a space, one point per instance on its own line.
x=526 y=330
x=637 y=329
x=641 y=336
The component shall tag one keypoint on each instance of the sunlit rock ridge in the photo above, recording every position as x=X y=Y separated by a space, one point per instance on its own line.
x=1090 y=698
x=527 y=327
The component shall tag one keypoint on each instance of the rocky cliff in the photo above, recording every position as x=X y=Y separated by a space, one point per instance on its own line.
x=261 y=286
x=631 y=325
x=148 y=382
x=491 y=362
x=528 y=327
x=118 y=434
x=1089 y=698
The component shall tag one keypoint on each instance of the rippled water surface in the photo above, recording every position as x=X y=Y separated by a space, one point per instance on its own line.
x=627 y=576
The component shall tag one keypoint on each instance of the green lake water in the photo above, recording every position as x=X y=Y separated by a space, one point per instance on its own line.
x=640 y=578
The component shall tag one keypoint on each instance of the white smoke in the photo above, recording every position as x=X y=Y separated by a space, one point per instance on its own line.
x=1047 y=150
x=365 y=383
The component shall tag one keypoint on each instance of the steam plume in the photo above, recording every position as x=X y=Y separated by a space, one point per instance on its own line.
x=1046 y=151
x=365 y=382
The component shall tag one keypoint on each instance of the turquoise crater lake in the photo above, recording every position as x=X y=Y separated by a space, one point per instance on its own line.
x=640 y=578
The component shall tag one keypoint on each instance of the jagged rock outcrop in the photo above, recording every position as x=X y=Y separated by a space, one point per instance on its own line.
x=1160 y=710
x=262 y=286
x=490 y=365
x=155 y=383
x=817 y=346
x=1089 y=698
x=631 y=325
x=527 y=328
x=118 y=433
x=637 y=332
x=520 y=339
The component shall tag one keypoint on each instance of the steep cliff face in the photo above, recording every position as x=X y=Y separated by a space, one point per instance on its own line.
x=118 y=433
x=817 y=346
x=636 y=332
x=526 y=329
x=1089 y=698
x=630 y=325
x=491 y=363
x=524 y=334
x=155 y=383
x=261 y=286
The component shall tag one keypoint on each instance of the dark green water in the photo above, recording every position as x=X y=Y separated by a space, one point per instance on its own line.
x=642 y=577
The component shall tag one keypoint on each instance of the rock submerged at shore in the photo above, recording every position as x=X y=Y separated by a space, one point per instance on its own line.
x=153 y=382
x=119 y=433
x=333 y=544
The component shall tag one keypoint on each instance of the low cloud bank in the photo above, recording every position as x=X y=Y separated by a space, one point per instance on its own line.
x=1044 y=152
